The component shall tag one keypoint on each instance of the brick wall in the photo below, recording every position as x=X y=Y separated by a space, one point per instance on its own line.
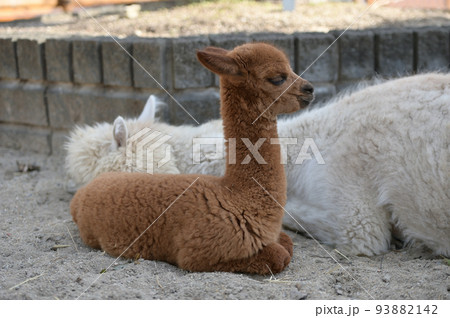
x=48 y=86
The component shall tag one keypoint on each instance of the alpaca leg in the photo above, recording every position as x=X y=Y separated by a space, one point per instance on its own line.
x=424 y=226
x=91 y=241
x=285 y=241
x=366 y=230
x=271 y=259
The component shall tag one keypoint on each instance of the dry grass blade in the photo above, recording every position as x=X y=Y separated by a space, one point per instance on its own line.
x=55 y=247
x=25 y=167
x=280 y=281
x=70 y=234
x=157 y=281
x=272 y=277
x=26 y=281
x=337 y=251
x=332 y=269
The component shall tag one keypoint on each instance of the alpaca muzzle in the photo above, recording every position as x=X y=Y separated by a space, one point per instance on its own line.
x=307 y=94
x=305 y=100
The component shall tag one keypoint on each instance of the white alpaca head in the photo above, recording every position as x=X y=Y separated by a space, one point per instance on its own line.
x=92 y=150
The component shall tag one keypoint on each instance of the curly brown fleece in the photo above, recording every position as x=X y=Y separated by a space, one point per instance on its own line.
x=200 y=222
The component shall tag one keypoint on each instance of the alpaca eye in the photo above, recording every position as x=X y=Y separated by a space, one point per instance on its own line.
x=277 y=81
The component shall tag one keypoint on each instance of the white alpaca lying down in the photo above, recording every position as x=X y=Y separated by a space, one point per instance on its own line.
x=92 y=150
x=386 y=150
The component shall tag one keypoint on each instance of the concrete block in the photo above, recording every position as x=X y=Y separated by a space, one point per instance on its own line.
x=356 y=55
x=433 y=50
x=30 y=59
x=350 y=87
x=394 y=53
x=309 y=47
x=284 y=42
x=228 y=41
x=86 y=61
x=153 y=57
x=57 y=140
x=202 y=106
x=58 y=60
x=347 y=87
x=116 y=64
x=25 y=138
x=22 y=103
x=69 y=106
x=8 y=63
x=187 y=70
x=323 y=93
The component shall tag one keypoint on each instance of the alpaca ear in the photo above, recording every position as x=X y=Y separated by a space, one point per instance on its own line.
x=148 y=113
x=120 y=133
x=216 y=60
x=218 y=50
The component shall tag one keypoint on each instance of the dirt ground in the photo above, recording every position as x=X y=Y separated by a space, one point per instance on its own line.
x=43 y=257
x=223 y=16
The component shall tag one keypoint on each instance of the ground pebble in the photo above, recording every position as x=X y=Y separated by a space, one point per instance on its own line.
x=298 y=295
x=338 y=289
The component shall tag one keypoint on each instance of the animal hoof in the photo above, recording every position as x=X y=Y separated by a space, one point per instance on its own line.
x=280 y=258
x=285 y=241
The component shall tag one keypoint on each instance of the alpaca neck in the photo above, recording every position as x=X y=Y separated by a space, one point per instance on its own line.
x=242 y=166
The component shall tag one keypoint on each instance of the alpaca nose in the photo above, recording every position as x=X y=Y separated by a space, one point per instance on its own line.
x=307 y=88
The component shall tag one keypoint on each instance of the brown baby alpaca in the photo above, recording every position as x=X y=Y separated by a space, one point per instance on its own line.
x=224 y=223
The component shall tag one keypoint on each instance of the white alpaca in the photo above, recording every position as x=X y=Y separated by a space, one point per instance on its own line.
x=92 y=150
x=386 y=150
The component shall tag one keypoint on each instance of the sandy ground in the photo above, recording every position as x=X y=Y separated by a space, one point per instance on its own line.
x=223 y=16
x=43 y=257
